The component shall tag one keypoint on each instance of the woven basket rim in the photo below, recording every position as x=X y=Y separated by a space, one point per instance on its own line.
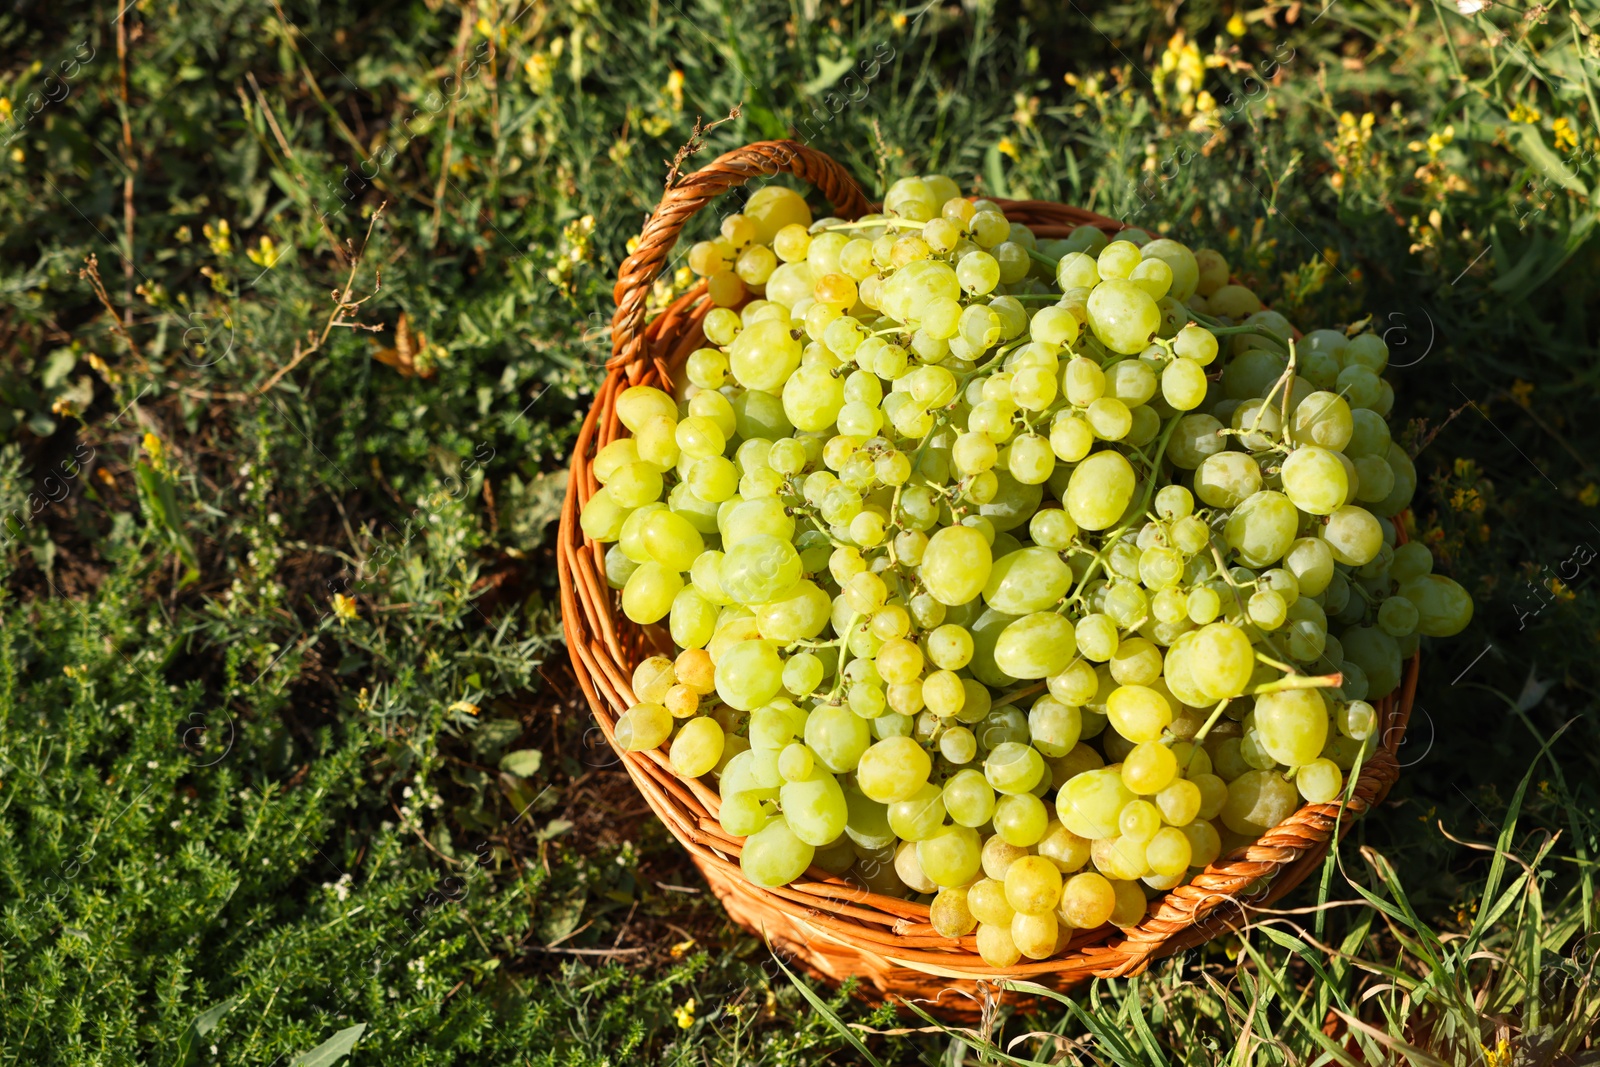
x=831 y=916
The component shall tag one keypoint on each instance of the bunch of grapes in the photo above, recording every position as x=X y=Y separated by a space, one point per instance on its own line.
x=1020 y=576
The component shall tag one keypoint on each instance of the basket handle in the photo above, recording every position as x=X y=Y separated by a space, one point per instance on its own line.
x=639 y=271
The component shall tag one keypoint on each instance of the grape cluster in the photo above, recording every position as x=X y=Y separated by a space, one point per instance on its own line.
x=1027 y=574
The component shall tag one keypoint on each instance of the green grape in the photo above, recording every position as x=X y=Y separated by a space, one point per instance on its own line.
x=1035 y=646
x=951 y=856
x=671 y=540
x=814 y=808
x=1257 y=801
x=1087 y=901
x=759 y=569
x=1033 y=886
x=1123 y=316
x=1292 y=725
x=1169 y=852
x=1109 y=418
x=1020 y=819
x=697 y=748
x=1100 y=490
x=1118 y=260
x=1149 y=768
x=743 y=814
x=1443 y=607
x=749 y=674
x=958 y=745
x=1267 y=609
x=1089 y=804
x=1139 y=820
x=1013 y=767
x=893 y=770
x=1054 y=726
x=956 y=564
x=643 y=727
x=1028 y=580
x=920 y=816
x=1223 y=662
x=650 y=592
x=1183 y=384
x=636 y=404
x=1356 y=720
x=969 y=798
x=1310 y=560
x=1180 y=800
x=775 y=855
x=1353 y=535
x=693 y=618
x=1196 y=437
x=1138 y=712
x=795 y=762
x=1096 y=637
x=1227 y=479
x=1181 y=265
x=1398 y=616
x=1320 y=781
x=1315 y=480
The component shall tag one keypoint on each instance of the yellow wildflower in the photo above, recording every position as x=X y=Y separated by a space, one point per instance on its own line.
x=681 y=948
x=685 y=1015
x=1236 y=26
x=1589 y=496
x=220 y=235
x=1007 y=147
x=1521 y=391
x=5 y=108
x=154 y=449
x=266 y=252
x=1524 y=113
x=1499 y=1056
x=344 y=608
x=898 y=20
x=1566 y=137
x=675 y=88
x=540 y=71
x=466 y=706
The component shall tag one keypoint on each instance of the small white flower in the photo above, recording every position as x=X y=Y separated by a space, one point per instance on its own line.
x=152 y=765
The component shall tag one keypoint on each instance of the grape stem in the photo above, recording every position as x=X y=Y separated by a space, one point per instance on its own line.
x=1299 y=681
x=844 y=655
x=1216 y=714
x=1040 y=257
x=1018 y=694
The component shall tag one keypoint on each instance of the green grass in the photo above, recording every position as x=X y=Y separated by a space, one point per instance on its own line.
x=234 y=816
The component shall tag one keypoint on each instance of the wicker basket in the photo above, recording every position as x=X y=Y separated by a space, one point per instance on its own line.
x=834 y=929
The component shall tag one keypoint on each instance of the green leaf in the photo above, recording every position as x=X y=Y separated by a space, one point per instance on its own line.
x=494 y=734
x=332 y=1050
x=832 y=1017
x=1531 y=147
x=188 y=1043
x=994 y=173
x=524 y=762
x=830 y=71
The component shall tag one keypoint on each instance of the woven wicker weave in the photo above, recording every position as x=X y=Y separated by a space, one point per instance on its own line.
x=834 y=929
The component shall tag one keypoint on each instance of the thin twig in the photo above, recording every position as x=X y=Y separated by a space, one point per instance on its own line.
x=450 y=122
x=697 y=141
x=129 y=163
x=341 y=304
x=91 y=271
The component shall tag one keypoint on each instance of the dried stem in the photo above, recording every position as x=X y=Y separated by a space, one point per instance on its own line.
x=342 y=304
x=697 y=141
x=91 y=272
